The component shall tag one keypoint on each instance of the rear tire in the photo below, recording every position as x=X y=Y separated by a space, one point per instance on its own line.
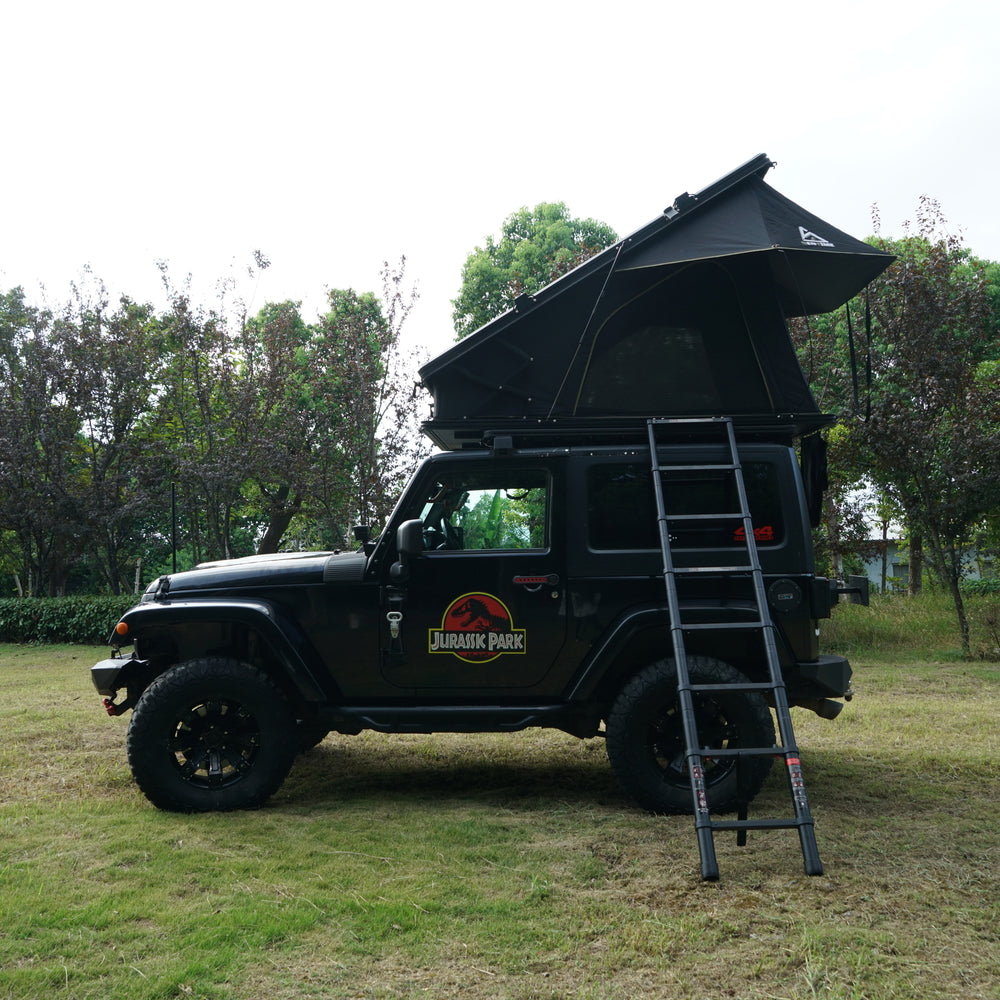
x=211 y=734
x=645 y=737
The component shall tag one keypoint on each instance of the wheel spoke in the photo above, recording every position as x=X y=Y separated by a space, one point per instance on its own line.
x=215 y=743
x=214 y=769
x=192 y=765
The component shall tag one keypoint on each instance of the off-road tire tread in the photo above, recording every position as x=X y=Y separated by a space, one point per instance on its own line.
x=628 y=720
x=184 y=685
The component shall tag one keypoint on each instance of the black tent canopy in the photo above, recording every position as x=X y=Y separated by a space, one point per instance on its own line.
x=684 y=317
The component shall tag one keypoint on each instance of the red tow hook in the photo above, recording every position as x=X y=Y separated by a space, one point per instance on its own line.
x=112 y=708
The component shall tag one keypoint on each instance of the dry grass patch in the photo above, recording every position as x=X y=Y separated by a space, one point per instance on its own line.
x=505 y=866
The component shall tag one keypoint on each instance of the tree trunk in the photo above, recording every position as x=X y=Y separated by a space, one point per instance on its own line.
x=954 y=570
x=885 y=554
x=916 y=563
x=963 y=622
x=281 y=516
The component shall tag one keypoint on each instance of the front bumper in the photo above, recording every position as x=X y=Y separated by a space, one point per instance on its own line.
x=110 y=676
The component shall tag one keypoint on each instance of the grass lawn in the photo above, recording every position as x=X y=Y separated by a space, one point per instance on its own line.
x=506 y=866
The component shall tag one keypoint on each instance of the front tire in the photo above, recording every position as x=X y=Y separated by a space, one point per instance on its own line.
x=309 y=735
x=646 y=746
x=211 y=734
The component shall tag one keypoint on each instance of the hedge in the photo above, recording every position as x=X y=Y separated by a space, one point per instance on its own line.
x=61 y=619
x=991 y=585
x=89 y=620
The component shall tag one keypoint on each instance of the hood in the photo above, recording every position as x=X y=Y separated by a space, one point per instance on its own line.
x=279 y=570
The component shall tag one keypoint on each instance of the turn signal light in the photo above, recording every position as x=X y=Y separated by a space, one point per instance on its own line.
x=121 y=628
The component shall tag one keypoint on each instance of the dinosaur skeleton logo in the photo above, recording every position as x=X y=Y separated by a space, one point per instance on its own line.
x=476 y=628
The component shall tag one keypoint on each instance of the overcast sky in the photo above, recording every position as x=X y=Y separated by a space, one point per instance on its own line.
x=336 y=136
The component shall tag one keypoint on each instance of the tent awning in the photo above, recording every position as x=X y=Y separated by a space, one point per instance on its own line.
x=684 y=317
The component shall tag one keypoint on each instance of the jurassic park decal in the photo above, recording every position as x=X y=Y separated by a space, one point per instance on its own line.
x=476 y=628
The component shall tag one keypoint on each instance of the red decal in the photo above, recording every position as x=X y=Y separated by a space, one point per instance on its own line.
x=765 y=533
x=476 y=628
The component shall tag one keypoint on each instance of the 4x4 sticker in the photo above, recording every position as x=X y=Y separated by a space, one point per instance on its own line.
x=765 y=533
x=476 y=628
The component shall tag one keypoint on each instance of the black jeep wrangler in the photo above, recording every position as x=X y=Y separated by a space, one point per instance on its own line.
x=511 y=588
x=521 y=579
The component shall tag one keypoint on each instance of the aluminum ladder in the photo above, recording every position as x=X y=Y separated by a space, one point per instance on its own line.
x=762 y=624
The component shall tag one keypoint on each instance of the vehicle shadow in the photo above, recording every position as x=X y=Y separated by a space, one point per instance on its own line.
x=538 y=771
x=495 y=770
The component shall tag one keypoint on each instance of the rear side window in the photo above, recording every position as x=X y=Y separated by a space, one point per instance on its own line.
x=621 y=507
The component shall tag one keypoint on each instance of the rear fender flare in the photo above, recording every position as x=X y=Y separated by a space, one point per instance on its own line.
x=594 y=671
x=638 y=636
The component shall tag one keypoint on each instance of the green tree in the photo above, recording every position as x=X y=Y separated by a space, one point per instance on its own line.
x=205 y=438
x=927 y=430
x=114 y=356
x=42 y=489
x=255 y=420
x=535 y=247
x=330 y=413
x=361 y=374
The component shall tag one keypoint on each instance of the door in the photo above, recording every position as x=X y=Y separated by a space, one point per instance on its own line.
x=484 y=605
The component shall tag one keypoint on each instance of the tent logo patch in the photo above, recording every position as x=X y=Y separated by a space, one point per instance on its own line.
x=476 y=628
x=810 y=239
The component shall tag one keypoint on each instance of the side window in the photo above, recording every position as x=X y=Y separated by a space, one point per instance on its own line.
x=621 y=509
x=488 y=511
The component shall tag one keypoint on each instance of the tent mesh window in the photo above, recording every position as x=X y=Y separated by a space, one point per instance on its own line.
x=660 y=354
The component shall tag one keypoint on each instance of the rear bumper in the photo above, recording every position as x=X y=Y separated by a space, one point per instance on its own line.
x=825 y=677
x=815 y=683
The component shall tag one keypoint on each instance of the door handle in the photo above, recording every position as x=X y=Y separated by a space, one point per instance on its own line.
x=539 y=580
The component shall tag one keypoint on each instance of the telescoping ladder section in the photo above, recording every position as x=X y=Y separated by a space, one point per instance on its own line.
x=749 y=570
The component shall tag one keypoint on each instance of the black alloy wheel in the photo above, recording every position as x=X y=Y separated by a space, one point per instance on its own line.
x=211 y=734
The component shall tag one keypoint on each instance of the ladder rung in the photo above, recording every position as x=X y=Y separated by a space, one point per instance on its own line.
x=712 y=569
x=717 y=752
x=703 y=467
x=740 y=686
x=690 y=420
x=707 y=421
x=704 y=517
x=720 y=626
x=758 y=824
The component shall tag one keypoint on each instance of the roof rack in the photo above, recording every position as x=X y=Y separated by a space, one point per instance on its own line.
x=527 y=432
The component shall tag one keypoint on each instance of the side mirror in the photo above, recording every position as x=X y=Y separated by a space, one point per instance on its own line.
x=409 y=545
x=410 y=539
x=363 y=534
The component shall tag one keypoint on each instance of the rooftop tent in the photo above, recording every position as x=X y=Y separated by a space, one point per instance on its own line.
x=684 y=317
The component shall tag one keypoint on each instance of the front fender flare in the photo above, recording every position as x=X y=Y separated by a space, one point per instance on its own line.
x=290 y=646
